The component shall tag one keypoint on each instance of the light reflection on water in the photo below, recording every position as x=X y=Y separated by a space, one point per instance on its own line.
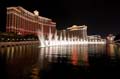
x=111 y=51
x=75 y=54
x=28 y=61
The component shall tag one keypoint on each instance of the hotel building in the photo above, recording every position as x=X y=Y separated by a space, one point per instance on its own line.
x=23 y=22
x=77 y=31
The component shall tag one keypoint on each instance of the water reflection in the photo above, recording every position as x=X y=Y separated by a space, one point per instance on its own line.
x=77 y=54
x=97 y=49
x=80 y=55
x=17 y=60
x=111 y=51
x=74 y=56
x=117 y=51
x=29 y=61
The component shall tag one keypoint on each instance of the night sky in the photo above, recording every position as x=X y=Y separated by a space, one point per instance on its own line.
x=101 y=17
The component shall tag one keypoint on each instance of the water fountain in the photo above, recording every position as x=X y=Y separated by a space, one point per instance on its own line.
x=63 y=40
x=41 y=38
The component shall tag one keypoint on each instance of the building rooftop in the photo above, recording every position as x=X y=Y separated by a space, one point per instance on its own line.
x=35 y=13
x=75 y=27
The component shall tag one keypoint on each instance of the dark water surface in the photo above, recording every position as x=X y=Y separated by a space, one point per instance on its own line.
x=60 y=62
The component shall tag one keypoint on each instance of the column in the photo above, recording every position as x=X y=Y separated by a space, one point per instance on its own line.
x=81 y=33
x=20 y=24
x=23 y=25
x=14 y=21
x=11 y=23
x=30 y=26
x=27 y=25
x=16 y=24
x=33 y=27
x=7 y=24
x=84 y=33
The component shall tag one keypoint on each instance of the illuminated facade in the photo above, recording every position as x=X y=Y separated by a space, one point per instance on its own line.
x=94 y=37
x=23 y=22
x=78 y=31
x=110 y=38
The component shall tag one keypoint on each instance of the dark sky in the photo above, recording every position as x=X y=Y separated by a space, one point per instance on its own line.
x=101 y=17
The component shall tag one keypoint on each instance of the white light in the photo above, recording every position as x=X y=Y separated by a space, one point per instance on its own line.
x=36 y=12
x=71 y=41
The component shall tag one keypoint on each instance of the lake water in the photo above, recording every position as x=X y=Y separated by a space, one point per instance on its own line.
x=96 y=61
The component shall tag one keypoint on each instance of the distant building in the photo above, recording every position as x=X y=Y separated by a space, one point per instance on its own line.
x=93 y=37
x=110 y=38
x=23 y=22
x=78 y=31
